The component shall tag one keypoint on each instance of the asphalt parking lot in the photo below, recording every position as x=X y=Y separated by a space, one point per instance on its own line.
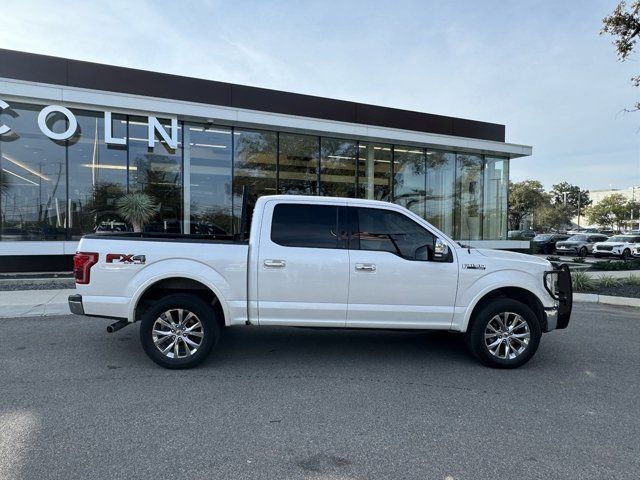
x=77 y=402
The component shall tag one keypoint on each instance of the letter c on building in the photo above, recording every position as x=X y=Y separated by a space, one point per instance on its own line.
x=42 y=122
x=3 y=128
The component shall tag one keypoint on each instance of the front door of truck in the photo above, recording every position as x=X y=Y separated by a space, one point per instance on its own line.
x=393 y=278
x=303 y=265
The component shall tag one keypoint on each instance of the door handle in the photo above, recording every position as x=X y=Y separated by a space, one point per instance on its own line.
x=275 y=263
x=366 y=267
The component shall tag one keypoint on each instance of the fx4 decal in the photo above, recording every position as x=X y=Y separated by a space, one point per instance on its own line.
x=123 y=258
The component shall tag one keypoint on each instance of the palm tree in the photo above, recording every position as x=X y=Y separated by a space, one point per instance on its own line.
x=137 y=208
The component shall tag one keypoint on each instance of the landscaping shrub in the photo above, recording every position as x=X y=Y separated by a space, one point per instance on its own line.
x=553 y=259
x=608 y=281
x=582 y=282
x=609 y=266
x=578 y=260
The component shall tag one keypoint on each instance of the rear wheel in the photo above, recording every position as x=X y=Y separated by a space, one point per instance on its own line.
x=504 y=334
x=583 y=252
x=179 y=331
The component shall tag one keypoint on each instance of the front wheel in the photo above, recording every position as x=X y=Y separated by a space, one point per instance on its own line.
x=179 y=331
x=583 y=252
x=626 y=255
x=504 y=334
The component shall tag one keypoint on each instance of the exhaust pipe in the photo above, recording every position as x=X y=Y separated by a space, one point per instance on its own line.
x=114 y=327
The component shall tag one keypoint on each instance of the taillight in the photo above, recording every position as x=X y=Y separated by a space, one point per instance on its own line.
x=82 y=263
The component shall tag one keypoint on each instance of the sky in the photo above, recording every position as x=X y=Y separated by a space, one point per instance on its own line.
x=539 y=67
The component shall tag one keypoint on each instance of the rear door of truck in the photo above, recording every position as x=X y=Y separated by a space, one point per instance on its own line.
x=303 y=264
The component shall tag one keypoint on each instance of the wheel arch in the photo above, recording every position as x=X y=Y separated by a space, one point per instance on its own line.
x=169 y=283
x=519 y=294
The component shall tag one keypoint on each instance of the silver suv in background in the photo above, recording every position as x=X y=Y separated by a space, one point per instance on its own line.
x=619 y=246
x=581 y=244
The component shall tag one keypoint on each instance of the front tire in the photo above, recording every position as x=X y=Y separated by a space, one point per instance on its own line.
x=583 y=252
x=504 y=334
x=626 y=255
x=179 y=331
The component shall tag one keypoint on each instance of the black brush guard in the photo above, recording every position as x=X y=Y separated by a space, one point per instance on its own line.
x=564 y=295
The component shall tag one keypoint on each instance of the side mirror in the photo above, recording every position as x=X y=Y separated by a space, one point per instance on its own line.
x=440 y=251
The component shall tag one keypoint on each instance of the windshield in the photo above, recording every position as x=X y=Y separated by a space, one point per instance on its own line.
x=620 y=238
x=540 y=238
x=578 y=238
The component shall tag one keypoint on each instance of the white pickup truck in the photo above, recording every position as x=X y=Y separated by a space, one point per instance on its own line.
x=319 y=262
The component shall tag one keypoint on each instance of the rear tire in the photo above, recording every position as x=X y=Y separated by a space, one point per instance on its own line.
x=504 y=334
x=179 y=331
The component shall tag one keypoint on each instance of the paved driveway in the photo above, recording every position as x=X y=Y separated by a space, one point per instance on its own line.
x=76 y=402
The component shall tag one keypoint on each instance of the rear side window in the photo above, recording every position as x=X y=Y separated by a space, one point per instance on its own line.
x=299 y=225
x=389 y=231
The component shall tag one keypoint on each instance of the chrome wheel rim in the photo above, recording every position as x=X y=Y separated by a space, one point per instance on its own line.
x=507 y=335
x=177 y=333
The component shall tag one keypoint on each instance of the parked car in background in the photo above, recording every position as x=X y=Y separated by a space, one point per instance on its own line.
x=546 y=242
x=616 y=246
x=521 y=234
x=581 y=244
x=635 y=251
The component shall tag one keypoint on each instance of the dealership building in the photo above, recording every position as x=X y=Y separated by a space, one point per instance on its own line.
x=76 y=136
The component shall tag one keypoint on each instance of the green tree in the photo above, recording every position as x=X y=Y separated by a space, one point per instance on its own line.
x=552 y=216
x=624 y=25
x=572 y=196
x=611 y=211
x=524 y=198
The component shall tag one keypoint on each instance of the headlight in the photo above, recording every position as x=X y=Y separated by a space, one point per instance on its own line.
x=551 y=282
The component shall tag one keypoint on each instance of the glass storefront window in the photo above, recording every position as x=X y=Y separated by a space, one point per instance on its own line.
x=338 y=167
x=374 y=171
x=409 y=178
x=33 y=198
x=208 y=159
x=255 y=158
x=97 y=175
x=298 y=164
x=157 y=172
x=469 y=197
x=440 y=192
x=496 y=185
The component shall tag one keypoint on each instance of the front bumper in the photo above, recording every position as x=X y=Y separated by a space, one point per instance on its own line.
x=562 y=249
x=75 y=304
x=600 y=253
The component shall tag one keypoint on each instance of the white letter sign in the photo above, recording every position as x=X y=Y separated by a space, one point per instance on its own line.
x=109 y=139
x=42 y=122
x=154 y=125
x=3 y=128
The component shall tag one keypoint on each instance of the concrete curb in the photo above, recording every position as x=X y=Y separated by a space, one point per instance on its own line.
x=34 y=303
x=606 y=299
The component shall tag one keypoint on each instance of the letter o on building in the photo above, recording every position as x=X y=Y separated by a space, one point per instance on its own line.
x=42 y=122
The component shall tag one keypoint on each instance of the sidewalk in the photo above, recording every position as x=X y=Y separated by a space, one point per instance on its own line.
x=34 y=303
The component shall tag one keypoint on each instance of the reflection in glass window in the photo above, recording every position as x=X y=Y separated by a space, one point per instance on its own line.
x=97 y=175
x=440 y=194
x=409 y=177
x=209 y=154
x=254 y=165
x=298 y=164
x=388 y=231
x=496 y=185
x=157 y=172
x=374 y=171
x=469 y=191
x=33 y=197
x=311 y=226
x=338 y=167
